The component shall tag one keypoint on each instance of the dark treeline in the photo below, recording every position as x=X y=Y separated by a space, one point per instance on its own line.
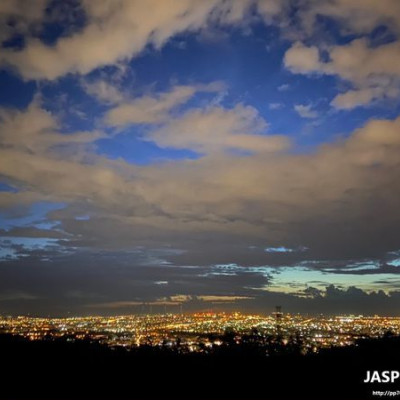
x=253 y=369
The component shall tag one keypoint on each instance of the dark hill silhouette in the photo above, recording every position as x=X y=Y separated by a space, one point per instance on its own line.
x=61 y=369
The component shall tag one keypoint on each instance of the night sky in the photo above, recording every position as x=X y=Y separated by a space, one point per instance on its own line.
x=223 y=154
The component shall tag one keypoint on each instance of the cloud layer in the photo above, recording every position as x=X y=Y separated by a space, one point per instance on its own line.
x=243 y=208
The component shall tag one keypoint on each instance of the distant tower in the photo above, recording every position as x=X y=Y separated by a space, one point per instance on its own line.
x=278 y=318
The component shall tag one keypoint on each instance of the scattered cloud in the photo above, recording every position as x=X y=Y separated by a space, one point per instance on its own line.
x=283 y=87
x=215 y=129
x=283 y=249
x=116 y=31
x=276 y=106
x=104 y=91
x=302 y=59
x=363 y=66
x=305 y=111
x=149 y=109
x=36 y=131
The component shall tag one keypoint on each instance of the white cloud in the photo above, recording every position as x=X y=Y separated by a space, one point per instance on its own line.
x=26 y=16
x=283 y=87
x=155 y=108
x=116 y=30
x=216 y=129
x=305 y=111
x=366 y=68
x=104 y=91
x=149 y=109
x=302 y=59
x=371 y=68
x=360 y=97
x=356 y=16
x=35 y=130
x=276 y=106
x=120 y=29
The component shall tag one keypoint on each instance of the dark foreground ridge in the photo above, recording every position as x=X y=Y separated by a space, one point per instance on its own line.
x=85 y=370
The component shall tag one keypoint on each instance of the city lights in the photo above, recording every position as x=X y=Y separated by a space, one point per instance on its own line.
x=198 y=332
